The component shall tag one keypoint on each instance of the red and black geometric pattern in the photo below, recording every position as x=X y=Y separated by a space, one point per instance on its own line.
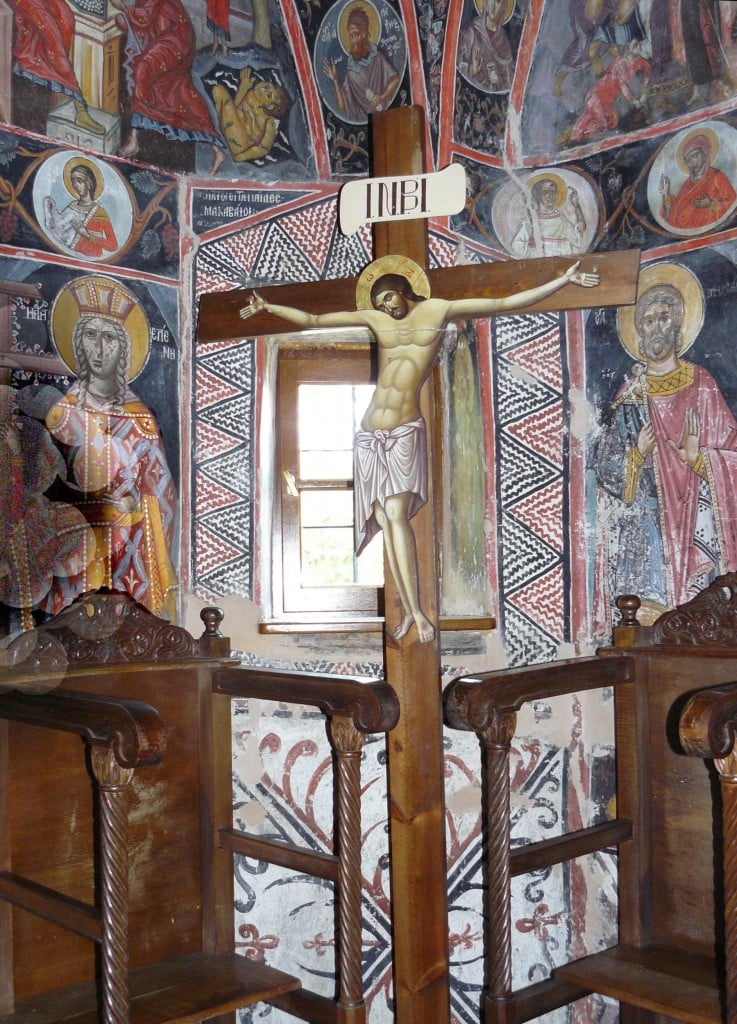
x=303 y=244
x=530 y=484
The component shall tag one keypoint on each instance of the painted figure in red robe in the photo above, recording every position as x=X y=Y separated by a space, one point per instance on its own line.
x=218 y=22
x=666 y=459
x=705 y=197
x=83 y=225
x=600 y=114
x=160 y=52
x=42 y=46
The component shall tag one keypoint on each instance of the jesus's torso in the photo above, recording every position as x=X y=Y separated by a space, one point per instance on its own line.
x=407 y=350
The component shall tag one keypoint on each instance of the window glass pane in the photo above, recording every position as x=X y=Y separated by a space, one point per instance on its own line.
x=323 y=408
x=325 y=416
x=327 y=508
x=321 y=465
x=329 y=415
x=327 y=556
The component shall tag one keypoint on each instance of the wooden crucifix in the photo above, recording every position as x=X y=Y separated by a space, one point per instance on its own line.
x=412 y=655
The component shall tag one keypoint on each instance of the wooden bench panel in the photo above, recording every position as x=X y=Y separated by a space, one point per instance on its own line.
x=656 y=978
x=180 y=991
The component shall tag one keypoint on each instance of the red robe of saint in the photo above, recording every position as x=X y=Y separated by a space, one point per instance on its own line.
x=713 y=186
x=42 y=44
x=678 y=484
x=218 y=17
x=160 y=56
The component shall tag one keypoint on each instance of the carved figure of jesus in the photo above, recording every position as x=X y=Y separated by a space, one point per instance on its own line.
x=390 y=453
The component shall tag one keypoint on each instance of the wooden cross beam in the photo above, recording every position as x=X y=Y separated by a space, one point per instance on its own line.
x=220 y=320
x=412 y=667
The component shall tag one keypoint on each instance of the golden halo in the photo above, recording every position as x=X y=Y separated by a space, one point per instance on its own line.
x=693 y=300
x=508 y=10
x=374 y=32
x=711 y=156
x=65 y=314
x=402 y=266
x=560 y=186
x=97 y=174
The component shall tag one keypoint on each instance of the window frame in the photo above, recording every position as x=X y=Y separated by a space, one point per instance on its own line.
x=297 y=364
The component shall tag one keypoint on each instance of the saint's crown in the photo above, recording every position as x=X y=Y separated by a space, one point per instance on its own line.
x=102 y=297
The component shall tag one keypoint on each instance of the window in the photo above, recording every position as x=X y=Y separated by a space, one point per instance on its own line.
x=322 y=393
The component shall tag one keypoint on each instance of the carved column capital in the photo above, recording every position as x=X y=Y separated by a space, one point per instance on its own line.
x=108 y=772
x=344 y=735
x=727 y=768
x=499 y=730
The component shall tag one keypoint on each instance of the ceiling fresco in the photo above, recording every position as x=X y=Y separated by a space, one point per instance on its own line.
x=256 y=89
x=582 y=125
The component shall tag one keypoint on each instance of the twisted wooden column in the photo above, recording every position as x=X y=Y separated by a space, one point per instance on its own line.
x=348 y=743
x=497 y=740
x=112 y=782
x=727 y=768
x=707 y=728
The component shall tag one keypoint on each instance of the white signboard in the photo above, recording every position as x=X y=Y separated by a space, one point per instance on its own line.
x=404 y=197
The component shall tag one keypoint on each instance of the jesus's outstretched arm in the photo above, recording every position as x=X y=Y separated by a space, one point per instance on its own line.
x=300 y=317
x=487 y=306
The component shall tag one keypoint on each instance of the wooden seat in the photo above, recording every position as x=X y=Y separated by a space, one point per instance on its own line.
x=116 y=899
x=193 y=987
x=675 y=696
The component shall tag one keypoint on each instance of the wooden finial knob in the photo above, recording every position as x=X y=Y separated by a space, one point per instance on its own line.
x=628 y=605
x=212 y=617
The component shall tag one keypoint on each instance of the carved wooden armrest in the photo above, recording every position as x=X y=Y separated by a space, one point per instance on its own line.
x=354 y=706
x=370 y=703
x=488 y=706
x=133 y=730
x=474 y=702
x=708 y=722
x=122 y=735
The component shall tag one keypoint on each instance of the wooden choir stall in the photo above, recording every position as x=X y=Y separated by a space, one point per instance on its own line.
x=116 y=833
x=675 y=695
x=117 y=830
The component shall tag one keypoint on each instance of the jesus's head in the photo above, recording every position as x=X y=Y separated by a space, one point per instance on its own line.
x=393 y=294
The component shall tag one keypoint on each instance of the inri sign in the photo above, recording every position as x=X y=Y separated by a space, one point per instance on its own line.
x=404 y=197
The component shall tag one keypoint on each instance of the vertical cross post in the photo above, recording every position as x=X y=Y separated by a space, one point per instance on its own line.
x=416 y=776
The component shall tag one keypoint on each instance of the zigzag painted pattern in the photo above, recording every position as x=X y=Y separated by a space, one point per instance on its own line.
x=542 y=599
x=526 y=642
x=312 y=229
x=543 y=434
x=301 y=245
x=542 y=513
x=223 y=527
x=541 y=356
x=533 y=558
x=529 y=473
x=211 y=442
x=212 y=387
x=214 y=550
x=530 y=449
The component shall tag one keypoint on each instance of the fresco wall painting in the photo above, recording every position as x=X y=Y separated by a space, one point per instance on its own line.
x=583 y=126
x=90 y=388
